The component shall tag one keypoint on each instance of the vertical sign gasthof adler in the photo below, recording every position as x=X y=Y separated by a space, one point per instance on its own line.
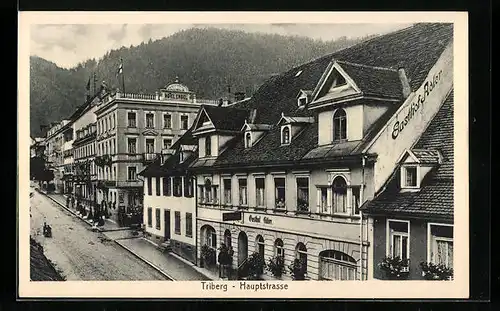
x=412 y=118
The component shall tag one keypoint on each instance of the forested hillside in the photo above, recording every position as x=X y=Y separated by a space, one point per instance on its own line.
x=206 y=60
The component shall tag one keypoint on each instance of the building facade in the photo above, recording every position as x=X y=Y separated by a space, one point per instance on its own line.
x=132 y=131
x=286 y=172
x=54 y=152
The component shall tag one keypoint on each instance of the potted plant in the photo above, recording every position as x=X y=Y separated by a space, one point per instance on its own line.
x=255 y=266
x=276 y=265
x=208 y=255
x=432 y=271
x=395 y=268
x=297 y=270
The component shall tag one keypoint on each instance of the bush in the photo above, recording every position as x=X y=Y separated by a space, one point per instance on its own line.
x=276 y=265
x=255 y=266
x=208 y=255
x=297 y=270
x=436 y=271
x=395 y=268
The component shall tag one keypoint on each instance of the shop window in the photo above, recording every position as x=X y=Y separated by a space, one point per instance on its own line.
x=399 y=236
x=279 y=247
x=335 y=265
x=158 y=221
x=227 y=191
x=177 y=222
x=302 y=194
x=339 y=190
x=167 y=186
x=441 y=244
x=339 y=125
x=177 y=186
x=301 y=254
x=279 y=192
x=158 y=186
x=189 y=225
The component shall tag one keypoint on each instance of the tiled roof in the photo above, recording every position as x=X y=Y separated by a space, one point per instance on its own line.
x=375 y=81
x=435 y=198
x=416 y=49
x=426 y=156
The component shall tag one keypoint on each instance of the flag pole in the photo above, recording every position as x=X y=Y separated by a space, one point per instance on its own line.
x=123 y=75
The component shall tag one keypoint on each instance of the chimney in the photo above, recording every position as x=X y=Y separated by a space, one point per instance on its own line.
x=404 y=82
x=239 y=96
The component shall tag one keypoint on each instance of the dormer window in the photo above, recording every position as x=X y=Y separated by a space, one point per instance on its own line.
x=339 y=125
x=409 y=177
x=248 y=140
x=302 y=101
x=285 y=135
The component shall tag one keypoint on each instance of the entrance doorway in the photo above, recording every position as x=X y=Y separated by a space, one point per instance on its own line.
x=167 y=225
x=242 y=247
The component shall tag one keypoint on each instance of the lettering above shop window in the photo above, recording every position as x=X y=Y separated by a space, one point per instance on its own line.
x=428 y=87
x=267 y=221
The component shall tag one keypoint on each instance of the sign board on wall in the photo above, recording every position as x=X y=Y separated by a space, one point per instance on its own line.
x=231 y=216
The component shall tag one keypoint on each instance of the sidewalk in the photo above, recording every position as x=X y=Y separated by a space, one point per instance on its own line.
x=109 y=225
x=173 y=267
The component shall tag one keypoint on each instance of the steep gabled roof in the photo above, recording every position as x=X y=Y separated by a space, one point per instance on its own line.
x=435 y=198
x=416 y=49
x=227 y=118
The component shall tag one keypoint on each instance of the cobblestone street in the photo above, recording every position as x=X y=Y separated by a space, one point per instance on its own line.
x=78 y=252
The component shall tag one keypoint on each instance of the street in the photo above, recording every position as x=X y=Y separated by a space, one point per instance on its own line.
x=79 y=253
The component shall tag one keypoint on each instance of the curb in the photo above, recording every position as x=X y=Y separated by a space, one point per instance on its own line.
x=146 y=261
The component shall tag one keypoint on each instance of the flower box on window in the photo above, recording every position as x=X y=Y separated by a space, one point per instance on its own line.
x=395 y=268
x=431 y=271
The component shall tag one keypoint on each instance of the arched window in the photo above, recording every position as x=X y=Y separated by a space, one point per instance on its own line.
x=227 y=238
x=301 y=254
x=280 y=251
x=248 y=140
x=259 y=243
x=339 y=125
x=285 y=135
x=208 y=146
x=339 y=195
x=209 y=236
x=335 y=265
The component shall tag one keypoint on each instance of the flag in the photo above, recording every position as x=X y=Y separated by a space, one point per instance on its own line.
x=120 y=68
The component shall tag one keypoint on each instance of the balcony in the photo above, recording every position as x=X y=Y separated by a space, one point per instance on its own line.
x=149 y=158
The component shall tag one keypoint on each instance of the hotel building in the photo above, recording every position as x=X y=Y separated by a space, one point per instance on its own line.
x=132 y=132
x=286 y=172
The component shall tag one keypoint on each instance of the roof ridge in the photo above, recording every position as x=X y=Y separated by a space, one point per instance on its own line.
x=367 y=66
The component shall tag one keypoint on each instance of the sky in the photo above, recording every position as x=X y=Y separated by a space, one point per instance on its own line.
x=67 y=45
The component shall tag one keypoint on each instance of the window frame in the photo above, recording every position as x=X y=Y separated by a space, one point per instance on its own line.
x=248 y=139
x=181 y=124
x=245 y=178
x=177 y=223
x=165 y=114
x=150 y=217
x=158 y=186
x=174 y=191
x=146 y=113
x=284 y=208
x=149 y=183
x=277 y=248
x=189 y=225
x=158 y=218
x=342 y=121
x=166 y=140
x=128 y=120
x=299 y=252
x=128 y=172
x=209 y=144
x=128 y=145
x=146 y=139
x=389 y=237
x=346 y=204
x=403 y=172
x=263 y=178
x=224 y=190
x=288 y=128
x=297 y=177
x=167 y=181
